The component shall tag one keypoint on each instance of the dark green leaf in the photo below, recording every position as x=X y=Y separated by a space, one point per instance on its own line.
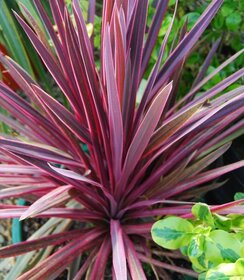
x=239 y=195
x=167 y=233
x=233 y=21
x=227 y=9
x=219 y=21
x=12 y=38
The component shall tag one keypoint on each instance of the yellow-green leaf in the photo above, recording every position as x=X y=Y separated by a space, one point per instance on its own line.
x=172 y=232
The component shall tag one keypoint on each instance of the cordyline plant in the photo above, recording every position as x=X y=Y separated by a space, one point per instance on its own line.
x=108 y=161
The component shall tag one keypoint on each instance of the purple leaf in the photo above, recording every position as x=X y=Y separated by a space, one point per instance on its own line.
x=115 y=118
x=187 y=43
x=22 y=190
x=51 y=199
x=135 y=266
x=202 y=178
x=99 y=267
x=27 y=246
x=154 y=72
x=206 y=63
x=39 y=152
x=118 y=249
x=171 y=267
x=86 y=265
x=63 y=115
x=145 y=130
x=52 y=266
x=153 y=32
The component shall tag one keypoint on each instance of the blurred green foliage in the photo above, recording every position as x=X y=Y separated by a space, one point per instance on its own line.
x=227 y=25
x=15 y=41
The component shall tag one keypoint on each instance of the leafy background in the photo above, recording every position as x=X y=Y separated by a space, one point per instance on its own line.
x=228 y=25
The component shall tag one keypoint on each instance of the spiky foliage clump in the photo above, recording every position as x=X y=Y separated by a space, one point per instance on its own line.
x=146 y=153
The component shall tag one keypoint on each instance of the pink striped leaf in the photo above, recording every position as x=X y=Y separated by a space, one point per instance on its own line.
x=145 y=130
x=100 y=262
x=202 y=178
x=63 y=115
x=53 y=198
x=52 y=266
x=15 y=211
x=38 y=151
x=118 y=250
x=36 y=244
x=135 y=265
x=23 y=190
x=115 y=118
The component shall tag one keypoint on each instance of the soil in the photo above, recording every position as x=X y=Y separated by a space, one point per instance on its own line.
x=234 y=180
x=5 y=239
x=29 y=226
x=5 y=234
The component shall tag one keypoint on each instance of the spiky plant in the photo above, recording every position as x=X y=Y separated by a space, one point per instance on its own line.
x=142 y=159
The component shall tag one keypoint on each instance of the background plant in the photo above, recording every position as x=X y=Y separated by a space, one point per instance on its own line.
x=136 y=146
x=226 y=28
x=17 y=44
x=213 y=243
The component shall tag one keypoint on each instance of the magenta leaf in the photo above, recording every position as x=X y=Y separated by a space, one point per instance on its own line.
x=115 y=118
x=50 y=200
x=145 y=130
x=27 y=246
x=118 y=249
x=133 y=261
x=51 y=267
